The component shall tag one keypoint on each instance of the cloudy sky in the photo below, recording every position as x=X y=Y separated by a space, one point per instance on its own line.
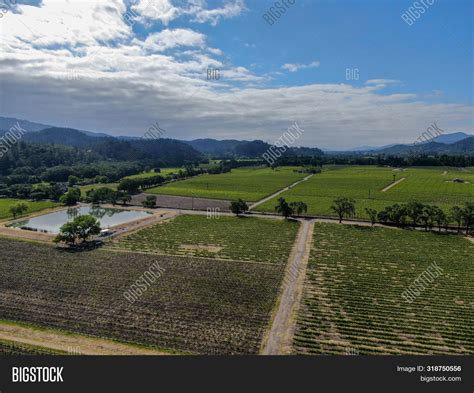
x=349 y=72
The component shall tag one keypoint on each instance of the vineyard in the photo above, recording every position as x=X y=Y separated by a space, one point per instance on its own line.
x=244 y=238
x=249 y=184
x=353 y=293
x=197 y=305
x=365 y=184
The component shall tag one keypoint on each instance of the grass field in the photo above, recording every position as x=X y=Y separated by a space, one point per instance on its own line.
x=84 y=189
x=163 y=172
x=352 y=295
x=196 y=305
x=245 y=238
x=33 y=206
x=250 y=184
x=428 y=185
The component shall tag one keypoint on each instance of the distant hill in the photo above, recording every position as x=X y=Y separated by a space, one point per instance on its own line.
x=8 y=122
x=250 y=149
x=464 y=146
x=171 y=151
x=451 y=138
x=61 y=136
x=214 y=147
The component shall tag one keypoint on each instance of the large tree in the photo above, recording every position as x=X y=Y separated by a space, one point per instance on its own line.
x=238 y=207
x=468 y=216
x=299 y=207
x=71 y=197
x=457 y=216
x=82 y=227
x=372 y=213
x=284 y=208
x=18 y=209
x=344 y=207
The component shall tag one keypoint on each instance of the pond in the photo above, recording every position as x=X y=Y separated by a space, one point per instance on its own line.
x=107 y=217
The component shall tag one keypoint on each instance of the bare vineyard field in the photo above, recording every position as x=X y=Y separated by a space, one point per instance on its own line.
x=352 y=295
x=197 y=305
x=244 y=238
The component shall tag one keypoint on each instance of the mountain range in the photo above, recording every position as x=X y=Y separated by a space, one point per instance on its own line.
x=454 y=143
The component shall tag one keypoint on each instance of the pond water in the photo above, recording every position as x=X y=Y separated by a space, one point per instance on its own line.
x=107 y=217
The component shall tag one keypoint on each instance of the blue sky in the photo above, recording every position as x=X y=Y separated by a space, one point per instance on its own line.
x=435 y=53
x=81 y=65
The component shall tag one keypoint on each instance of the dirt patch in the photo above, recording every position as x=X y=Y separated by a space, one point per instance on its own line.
x=69 y=343
x=201 y=247
x=178 y=202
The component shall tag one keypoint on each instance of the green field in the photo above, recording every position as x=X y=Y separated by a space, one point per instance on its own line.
x=353 y=301
x=84 y=189
x=33 y=206
x=428 y=185
x=249 y=184
x=245 y=238
x=163 y=172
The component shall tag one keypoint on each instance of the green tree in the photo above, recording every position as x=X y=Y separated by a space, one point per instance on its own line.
x=87 y=226
x=123 y=197
x=457 y=216
x=343 y=207
x=238 y=207
x=299 y=207
x=18 y=209
x=71 y=197
x=101 y=195
x=150 y=201
x=129 y=185
x=440 y=217
x=372 y=213
x=72 y=180
x=284 y=208
x=428 y=216
x=414 y=211
x=67 y=234
x=468 y=216
x=82 y=227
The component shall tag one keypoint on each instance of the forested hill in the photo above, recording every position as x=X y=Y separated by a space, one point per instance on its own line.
x=167 y=151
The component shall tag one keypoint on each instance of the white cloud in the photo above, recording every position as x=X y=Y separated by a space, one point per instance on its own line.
x=384 y=82
x=167 y=39
x=160 y=10
x=166 y=11
x=123 y=88
x=293 y=67
x=203 y=15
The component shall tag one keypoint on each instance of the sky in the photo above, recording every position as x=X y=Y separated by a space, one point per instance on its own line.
x=349 y=73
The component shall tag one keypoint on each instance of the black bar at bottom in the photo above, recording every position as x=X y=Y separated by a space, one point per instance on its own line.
x=246 y=373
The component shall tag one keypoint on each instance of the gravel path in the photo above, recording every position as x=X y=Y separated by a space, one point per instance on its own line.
x=393 y=184
x=280 y=337
x=278 y=193
x=73 y=344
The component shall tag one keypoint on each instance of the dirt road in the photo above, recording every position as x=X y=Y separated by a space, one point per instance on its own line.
x=278 y=192
x=393 y=184
x=279 y=339
x=73 y=344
